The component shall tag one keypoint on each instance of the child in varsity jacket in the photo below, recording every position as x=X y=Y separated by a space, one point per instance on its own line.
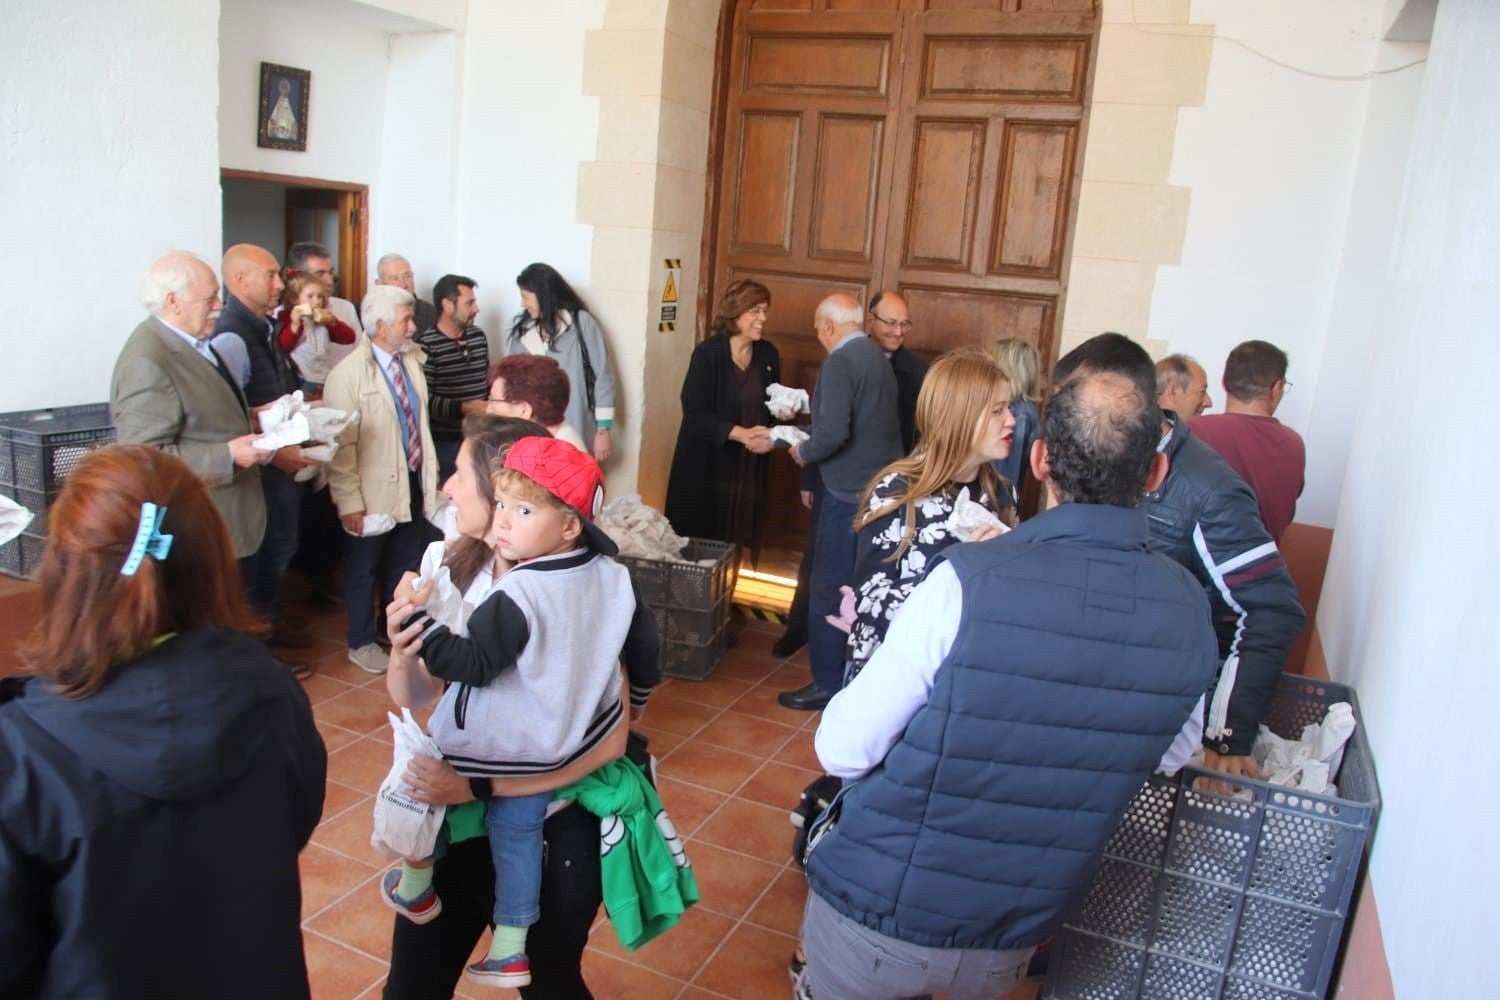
x=536 y=684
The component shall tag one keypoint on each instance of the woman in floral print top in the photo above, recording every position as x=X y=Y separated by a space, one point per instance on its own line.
x=964 y=424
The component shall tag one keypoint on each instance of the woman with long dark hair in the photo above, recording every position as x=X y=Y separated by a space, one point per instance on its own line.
x=717 y=487
x=553 y=321
x=161 y=771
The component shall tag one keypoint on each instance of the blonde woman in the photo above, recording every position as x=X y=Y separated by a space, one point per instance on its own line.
x=1022 y=367
x=964 y=425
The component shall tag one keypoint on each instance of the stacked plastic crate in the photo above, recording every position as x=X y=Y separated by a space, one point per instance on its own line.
x=691 y=601
x=38 y=448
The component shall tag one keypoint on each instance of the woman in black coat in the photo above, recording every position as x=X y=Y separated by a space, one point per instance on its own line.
x=717 y=487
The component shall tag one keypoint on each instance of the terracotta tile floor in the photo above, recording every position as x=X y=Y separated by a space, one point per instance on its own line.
x=731 y=763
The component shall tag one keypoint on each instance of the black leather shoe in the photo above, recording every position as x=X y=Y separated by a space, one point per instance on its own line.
x=805 y=699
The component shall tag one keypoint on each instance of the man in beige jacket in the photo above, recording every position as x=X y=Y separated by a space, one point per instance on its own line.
x=386 y=463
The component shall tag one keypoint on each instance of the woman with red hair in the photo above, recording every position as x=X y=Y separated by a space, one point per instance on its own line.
x=533 y=387
x=160 y=771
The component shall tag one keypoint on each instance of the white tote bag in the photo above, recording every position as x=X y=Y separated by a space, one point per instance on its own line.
x=404 y=827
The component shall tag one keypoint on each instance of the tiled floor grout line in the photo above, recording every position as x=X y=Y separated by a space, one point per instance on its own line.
x=384 y=964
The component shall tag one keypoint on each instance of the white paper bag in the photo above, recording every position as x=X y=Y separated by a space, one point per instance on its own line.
x=404 y=827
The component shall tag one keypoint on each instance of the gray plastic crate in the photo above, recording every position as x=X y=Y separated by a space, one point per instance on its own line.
x=1202 y=897
x=38 y=448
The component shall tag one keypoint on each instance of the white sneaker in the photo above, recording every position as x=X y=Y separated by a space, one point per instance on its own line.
x=370 y=658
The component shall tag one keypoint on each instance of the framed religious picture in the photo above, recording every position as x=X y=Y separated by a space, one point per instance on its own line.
x=283 y=107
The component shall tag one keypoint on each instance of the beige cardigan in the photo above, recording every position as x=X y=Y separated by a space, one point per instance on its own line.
x=369 y=472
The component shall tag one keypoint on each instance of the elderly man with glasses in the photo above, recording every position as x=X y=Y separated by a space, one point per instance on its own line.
x=890 y=322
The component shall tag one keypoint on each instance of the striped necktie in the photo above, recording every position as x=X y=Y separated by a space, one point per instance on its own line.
x=414 y=432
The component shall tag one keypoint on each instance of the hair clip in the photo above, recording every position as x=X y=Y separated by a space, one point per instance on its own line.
x=149 y=541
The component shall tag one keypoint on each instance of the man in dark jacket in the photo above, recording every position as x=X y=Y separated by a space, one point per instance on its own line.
x=855 y=433
x=890 y=322
x=989 y=748
x=254 y=288
x=1206 y=518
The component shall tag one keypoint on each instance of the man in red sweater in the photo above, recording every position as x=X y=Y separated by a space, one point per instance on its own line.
x=1266 y=454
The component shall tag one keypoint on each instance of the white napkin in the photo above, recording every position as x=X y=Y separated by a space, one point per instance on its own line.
x=276 y=414
x=292 y=420
x=1306 y=764
x=321 y=453
x=445 y=519
x=13 y=519
x=969 y=515
x=377 y=524
x=291 y=430
x=325 y=423
x=640 y=531
x=792 y=436
x=446 y=604
x=783 y=401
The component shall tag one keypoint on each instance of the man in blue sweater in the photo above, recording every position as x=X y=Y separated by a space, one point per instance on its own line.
x=856 y=432
x=989 y=748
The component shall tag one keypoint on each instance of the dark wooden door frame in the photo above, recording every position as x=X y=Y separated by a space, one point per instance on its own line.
x=354 y=221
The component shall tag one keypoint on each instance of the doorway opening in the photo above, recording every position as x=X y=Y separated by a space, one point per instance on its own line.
x=276 y=210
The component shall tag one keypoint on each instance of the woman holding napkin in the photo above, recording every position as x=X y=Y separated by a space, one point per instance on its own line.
x=717 y=488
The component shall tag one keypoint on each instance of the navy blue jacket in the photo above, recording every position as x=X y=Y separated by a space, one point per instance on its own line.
x=1079 y=656
x=149 y=832
x=1207 y=519
x=272 y=374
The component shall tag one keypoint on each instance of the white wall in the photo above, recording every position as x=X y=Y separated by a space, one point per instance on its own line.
x=1406 y=614
x=109 y=159
x=1355 y=310
x=415 y=211
x=1270 y=159
x=524 y=127
x=346 y=113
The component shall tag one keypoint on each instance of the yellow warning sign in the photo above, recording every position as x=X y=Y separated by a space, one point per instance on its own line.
x=669 y=290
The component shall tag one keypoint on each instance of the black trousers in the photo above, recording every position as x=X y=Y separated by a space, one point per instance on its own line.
x=426 y=961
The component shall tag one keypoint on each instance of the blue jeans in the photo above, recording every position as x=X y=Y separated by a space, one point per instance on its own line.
x=373 y=566
x=264 y=570
x=514 y=826
x=832 y=567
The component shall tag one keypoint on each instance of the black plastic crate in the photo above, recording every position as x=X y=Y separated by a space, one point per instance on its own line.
x=1204 y=896
x=693 y=661
x=687 y=585
x=38 y=448
x=20 y=555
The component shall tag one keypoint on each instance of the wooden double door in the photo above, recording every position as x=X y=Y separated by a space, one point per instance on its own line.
x=933 y=147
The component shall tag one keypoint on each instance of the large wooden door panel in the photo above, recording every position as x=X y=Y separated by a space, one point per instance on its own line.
x=1036 y=171
x=942 y=199
x=931 y=146
x=846 y=188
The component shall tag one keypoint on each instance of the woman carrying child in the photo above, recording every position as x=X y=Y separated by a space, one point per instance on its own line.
x=525 y=661
x=314 y=337
x=428 y=959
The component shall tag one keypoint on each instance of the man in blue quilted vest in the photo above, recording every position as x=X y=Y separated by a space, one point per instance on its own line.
x=1027 y=688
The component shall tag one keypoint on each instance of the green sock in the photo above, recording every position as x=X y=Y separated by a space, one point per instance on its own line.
x=507 y=941
x=414 y=881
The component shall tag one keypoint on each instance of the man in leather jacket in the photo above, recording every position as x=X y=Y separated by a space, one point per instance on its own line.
x=1206 y=518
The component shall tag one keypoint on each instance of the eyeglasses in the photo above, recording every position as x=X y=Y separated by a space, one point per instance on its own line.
x=904 y=325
